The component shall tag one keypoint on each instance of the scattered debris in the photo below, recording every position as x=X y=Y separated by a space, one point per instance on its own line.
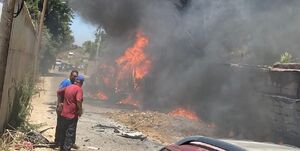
x=24 y=145
x=43 y=131
x=102 y=127
x=101 y=130
x=105 y=126
x=116 y=131
x=93 y=148
x=124 y=132
x=36 y=138
x=18 y=140
x=134 y=135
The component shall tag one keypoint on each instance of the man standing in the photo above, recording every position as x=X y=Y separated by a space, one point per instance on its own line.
x=63 y=84
x=72 y=109
x=67 y=82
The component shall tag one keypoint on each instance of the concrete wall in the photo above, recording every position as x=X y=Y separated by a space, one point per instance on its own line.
x=21 y=60
x=284 y=95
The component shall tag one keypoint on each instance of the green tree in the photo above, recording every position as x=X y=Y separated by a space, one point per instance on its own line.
x=33 y=7
x=57 y=35
x=58 y=20
x=89 y=46
x=99 y=44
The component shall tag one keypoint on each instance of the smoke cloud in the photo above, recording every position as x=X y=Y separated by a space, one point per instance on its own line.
x=189 y=41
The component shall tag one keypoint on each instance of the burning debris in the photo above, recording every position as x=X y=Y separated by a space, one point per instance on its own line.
x=102 y=96
x=181 y=112
x=130 y=101
x=134 y=61
x=122 y=80
x=133 y=66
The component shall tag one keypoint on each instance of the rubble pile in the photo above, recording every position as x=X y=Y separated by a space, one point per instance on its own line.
x=161 y=126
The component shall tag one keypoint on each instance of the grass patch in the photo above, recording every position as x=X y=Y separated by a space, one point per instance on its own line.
x=22 y=105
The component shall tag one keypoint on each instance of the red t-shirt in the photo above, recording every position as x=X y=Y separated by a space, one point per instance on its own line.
x=71 y=95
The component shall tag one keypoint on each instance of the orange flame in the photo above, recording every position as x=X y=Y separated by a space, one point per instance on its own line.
x=130 y=101
x=102 y=96
x=181 y=112
x=133 y=66
x=134 y=59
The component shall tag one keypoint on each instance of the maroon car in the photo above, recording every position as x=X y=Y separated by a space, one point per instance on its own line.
x=201 y=143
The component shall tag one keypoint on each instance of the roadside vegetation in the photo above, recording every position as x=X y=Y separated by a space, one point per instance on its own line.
x=18 y=127
x=286 y=57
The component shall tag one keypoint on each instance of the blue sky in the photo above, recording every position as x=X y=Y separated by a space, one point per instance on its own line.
x=82 y=30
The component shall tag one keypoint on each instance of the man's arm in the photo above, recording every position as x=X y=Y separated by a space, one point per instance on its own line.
x=64 y=83
x=79 y=106
x=60 y=95
x=79 y=99
x=60 y=100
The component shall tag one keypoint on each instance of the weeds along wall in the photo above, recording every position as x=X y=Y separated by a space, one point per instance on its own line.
x=20 y=62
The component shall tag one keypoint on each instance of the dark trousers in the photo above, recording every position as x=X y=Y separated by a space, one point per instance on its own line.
x=68 y=133
x=57 y=129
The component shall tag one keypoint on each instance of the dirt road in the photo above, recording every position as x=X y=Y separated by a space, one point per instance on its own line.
x=93 y=132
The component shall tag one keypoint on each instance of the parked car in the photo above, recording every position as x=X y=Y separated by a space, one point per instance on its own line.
x=202 y=143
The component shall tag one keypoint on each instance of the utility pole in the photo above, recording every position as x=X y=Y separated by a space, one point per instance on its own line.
x=40 y=34
x=97 y=51
x=5 y=33
x=100 y=34
x=41 y=25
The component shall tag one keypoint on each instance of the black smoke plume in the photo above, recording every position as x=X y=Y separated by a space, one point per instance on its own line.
x=190 y=43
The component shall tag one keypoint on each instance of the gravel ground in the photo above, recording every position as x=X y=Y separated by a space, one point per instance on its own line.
x=161 y=126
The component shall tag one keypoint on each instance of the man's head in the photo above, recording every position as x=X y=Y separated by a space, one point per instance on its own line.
x=79 y=80
x=73 y=75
